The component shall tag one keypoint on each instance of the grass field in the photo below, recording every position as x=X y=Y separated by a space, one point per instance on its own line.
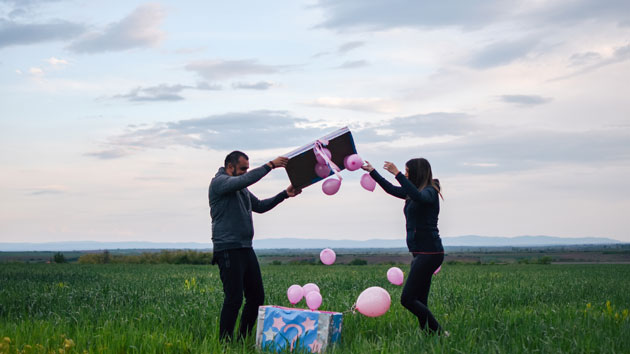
x=116 y=308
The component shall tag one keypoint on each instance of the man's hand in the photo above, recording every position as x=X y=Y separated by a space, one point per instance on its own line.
x=367 y=166
x=279 y=161
x=292 y=191
x=389 y=166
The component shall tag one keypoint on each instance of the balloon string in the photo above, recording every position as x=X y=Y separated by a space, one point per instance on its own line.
x=353 y=309
x=318 y=151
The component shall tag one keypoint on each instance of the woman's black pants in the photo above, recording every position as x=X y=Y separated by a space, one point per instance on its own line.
x=240 y=274
x=416 y=291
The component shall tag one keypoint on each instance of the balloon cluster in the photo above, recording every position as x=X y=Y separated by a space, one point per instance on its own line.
x=372 y=302
x=325 y=167
x=309 y=291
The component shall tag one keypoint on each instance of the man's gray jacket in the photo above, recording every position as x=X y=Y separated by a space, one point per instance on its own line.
x=231 y=206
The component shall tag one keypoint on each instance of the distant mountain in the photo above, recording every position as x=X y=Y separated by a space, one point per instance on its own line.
x=96 y=245
x=524 y=241
x=296 y=243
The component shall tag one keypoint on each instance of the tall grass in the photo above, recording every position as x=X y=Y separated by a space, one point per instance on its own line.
x=174 y=308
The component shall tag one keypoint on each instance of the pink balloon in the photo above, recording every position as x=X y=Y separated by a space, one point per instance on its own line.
x=368 y=182
x=327 y=256
x=310 y=287
x=395 y=276
x=438 y=269
x=320 y=159
x=331 y=186
x=313 y=300
x=353 y=162
x=295 y=294
x=345 y=161
x=322 y=170
x=373 y=301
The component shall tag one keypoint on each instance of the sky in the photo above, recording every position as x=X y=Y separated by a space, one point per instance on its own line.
x=115 y=115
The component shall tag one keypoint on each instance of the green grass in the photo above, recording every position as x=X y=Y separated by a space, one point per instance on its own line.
x=116 y=308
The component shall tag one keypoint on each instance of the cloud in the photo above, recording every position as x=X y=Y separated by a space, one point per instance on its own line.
x=46 y=190
x=502 y=53
x=36 y=71
x=484 y=149
x=353 y=64
x=215 y=70
x=384 y=14
x=370 y=104
x=56 y=62
x=139 y=29
x=581 y=59
x=320 y=54
x=247 y=131
x=162 y=92
x=597 y=61
x=480 y=164
x=563 y=13
x=346 y=47
x=24 y=8
x=378 y=15
x=261 y=85
x=12 y=33
x=525 y=100
x=536 y=148
x=455 y=142
x=111 y=153
x=419 y=126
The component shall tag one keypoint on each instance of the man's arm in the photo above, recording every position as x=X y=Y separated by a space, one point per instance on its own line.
x=261 y=206
x=227 y=184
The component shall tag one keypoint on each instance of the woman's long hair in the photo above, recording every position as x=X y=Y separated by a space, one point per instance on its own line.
x=421 y=176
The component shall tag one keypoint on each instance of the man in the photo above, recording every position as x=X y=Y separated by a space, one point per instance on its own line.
x=231 y=206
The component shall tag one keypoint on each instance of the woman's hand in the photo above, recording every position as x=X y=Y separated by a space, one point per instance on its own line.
x=367 y=167
x=389 y=166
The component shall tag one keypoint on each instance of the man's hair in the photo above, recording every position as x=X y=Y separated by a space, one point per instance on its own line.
x=233 y=158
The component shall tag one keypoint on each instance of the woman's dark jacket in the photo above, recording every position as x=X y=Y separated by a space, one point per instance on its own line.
x=421 y=213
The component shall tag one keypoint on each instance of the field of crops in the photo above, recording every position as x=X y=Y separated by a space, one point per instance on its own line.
x=174 y=308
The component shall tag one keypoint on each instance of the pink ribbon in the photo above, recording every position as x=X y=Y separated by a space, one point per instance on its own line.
x=317 y=148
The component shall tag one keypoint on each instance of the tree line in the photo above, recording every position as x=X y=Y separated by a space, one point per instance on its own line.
x=162 y=257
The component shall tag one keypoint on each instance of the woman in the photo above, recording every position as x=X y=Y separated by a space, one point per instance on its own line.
x=422 y=206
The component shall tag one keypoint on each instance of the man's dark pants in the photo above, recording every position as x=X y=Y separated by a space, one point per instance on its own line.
x=240 y=274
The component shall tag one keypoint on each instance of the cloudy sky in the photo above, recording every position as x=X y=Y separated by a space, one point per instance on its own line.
x=114 y=116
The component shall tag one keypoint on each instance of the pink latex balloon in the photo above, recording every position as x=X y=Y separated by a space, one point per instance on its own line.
x=320 y=159
x=345 y=161
x=313 y=300
x=353 y=162
x=438 y=270
x=373 y=301
x=322 y=170
x=368 y=182
x=395 y=276
x=310 y=287
x=327 y=256
x=331 y=186
x=295 y=294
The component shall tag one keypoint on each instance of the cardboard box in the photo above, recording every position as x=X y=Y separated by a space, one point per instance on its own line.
x=301 y=165
x=282 y=328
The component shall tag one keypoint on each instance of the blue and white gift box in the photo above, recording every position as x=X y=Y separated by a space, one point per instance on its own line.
x=281 y=328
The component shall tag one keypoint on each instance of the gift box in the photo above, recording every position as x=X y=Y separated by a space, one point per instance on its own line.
x=302 y=161
x=281 y=328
